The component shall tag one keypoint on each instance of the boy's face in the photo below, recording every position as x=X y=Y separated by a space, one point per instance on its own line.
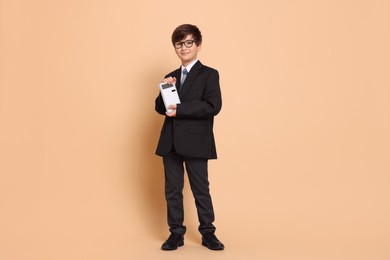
x=187 y=54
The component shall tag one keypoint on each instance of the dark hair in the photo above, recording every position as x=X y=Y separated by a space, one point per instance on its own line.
x=182 y=31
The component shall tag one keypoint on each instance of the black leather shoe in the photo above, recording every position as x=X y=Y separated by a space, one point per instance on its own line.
x=211 y=242
x=173 y=241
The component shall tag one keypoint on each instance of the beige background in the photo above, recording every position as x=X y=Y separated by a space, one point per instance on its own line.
x=303 y=137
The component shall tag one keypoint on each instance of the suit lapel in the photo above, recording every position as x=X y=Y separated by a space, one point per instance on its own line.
x=177 y=75
x=195 y=70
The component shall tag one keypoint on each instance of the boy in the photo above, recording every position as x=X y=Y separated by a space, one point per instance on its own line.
x=187 y=137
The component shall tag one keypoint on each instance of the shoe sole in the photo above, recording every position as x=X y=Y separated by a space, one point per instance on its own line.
x=206 y=245
x=170 y=249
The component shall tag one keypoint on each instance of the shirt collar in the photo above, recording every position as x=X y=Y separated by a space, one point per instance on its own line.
x=189 y=66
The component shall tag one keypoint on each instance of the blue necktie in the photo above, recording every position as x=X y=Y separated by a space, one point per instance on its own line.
x=183 y=77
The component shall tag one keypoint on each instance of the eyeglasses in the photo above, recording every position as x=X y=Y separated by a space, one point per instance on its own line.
x=187 y=43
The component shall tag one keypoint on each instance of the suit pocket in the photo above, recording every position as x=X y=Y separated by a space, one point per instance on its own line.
x=199 y=129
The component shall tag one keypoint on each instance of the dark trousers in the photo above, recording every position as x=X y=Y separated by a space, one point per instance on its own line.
x=174 y=183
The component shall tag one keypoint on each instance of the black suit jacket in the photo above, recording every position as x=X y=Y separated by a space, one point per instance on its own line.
x=191 y=131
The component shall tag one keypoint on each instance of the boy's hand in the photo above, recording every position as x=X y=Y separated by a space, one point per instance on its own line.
x=173 y=113
x=170 y=80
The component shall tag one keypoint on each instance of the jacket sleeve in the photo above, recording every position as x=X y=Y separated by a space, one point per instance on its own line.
x=209 y=106
x=159 y=105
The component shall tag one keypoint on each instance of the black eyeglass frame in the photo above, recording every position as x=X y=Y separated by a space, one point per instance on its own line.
x=187 y=43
